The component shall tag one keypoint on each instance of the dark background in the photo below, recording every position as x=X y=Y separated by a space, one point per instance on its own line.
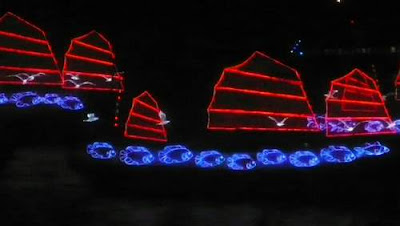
x=177 y=51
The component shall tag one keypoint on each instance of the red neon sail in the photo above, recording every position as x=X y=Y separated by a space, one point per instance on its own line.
x=355 y=106
x=261 y=94
x=144 y=122
x=89 y=64
x=26 y=57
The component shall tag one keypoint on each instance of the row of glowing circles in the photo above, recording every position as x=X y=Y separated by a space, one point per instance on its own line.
x=179 y=154
x=28 y=99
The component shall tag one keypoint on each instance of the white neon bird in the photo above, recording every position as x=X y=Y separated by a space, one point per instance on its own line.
x=331 y=94
x=278 y=123
x=163 y=118
x=91 y=117
x=77 y=85
x=25 y=77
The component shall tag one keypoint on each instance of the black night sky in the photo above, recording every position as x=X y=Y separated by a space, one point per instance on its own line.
x=177 y=51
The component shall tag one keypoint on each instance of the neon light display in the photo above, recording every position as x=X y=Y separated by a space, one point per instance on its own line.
x=397 y=86
x=101 y=150
x=241 y=162
x=355 y=106
x=209 y=159
x=374 y=149
x=26 y=57
x=144 y=122
x=175 y=154
x=89 y=64
x=271 y=157
x=261 y=94
x=337 y=154
x=136 y=156
x=28 y=99
x=303 y=159
x=178 y=154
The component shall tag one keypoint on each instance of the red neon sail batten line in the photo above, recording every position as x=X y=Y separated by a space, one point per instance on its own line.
x=89 y=74
x=260 y=93
x=145 y=138
x=355 y=87
x=24 y=52
x=93 y=47
x=27 y=69
x=93 y=88
x=30 y=83
x=23 y=21
x=262 y=129
x=91 y=60
x=262 y=76
x=263 y=113
x=146 y=128
x=136 y=115
x=356 y=102
x=361 y=134
x=147 y=106
x=24 y=38
x=357 y=118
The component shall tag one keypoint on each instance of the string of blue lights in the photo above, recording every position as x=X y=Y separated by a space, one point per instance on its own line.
x=181 y=155
x=29 y=99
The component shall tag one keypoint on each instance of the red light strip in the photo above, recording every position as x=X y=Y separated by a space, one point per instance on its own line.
x=24 y=52
x=30 y=83
x=356 y=102
x=263 y=113
x=355 y=87
x=262 y=76
x=160 y=131
x=89 y=74
x=259 y=93
x=145 y=118
x=93 y=47
x=26 y=69
x=24 y=38
x=147 y=106
x=91 y=60
x=93 y=88
x=361 y=134
x=262 y=129
x=145 y=138
x=357 y=118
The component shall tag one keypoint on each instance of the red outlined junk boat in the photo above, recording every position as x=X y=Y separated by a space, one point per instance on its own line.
x=355 y=107
x=26 y=57
x=145 y=121
x=261 y=94
x=89 y=64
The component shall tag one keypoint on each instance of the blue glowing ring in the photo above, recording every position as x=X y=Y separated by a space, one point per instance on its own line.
x=183 y=154
x=208 y=159
x=51 y=98
x=17 y=98
x=303 y=159
x=71 y=103
x=101 y=150
x=374 y=126
x=337 y=154
x=233 y=162
x=374 y=149
x=136 y=156
x=271 y=157
x=3 y=98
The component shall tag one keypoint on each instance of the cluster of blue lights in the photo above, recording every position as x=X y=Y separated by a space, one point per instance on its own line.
x=296 y=49
x=179 y=154
x=348 y=126
x=29 y=99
